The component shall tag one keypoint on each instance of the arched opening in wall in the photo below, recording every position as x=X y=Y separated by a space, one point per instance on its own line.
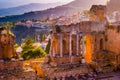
x=57 y=47
x=64 y=47
x=101 y=44
x=88 y=49
x=73 y=44
x=70 y=78
x=55 y=78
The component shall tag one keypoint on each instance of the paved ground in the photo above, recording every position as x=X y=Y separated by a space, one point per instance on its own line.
x=110 y=76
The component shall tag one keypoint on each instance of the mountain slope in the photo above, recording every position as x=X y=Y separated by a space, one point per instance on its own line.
x=27 y=8
x=70 y=8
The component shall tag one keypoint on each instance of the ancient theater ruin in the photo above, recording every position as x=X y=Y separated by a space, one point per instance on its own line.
x=76 y=46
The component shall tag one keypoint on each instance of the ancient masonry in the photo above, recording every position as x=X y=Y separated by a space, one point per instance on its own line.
x=75 y=46
x=6 y=43
x=11 y=70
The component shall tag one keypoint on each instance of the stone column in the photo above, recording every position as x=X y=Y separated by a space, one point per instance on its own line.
x=50 y=52
x=70 y=45
x=58 y=78
x=80 y=46
x=83 y=46
x=77 y=44
x=61 y=46
x=83 y=50
x=63 y=78
x=38 y=37
x=76 y=77
x=51 y=78
x=54 y=52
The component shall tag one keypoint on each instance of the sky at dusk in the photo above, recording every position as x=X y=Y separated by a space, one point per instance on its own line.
x=14 y=3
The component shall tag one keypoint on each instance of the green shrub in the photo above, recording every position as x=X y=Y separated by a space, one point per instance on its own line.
x=31 y=52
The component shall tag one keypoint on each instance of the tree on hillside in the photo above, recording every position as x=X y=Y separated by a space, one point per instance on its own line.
x=27 y=45
x=33 y=53
x=8 y=25
x=16 y=46
x=48 y=47
x=30 y=51
x=42 y=37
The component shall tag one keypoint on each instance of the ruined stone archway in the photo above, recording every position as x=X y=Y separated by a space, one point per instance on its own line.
x=55 y=78
x=88 y=48
x=64 y=47
x=101 y=44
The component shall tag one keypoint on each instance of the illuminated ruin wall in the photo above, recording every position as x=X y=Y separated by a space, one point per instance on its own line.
x=6 y=44
x=113 y=40
x=91 y=32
